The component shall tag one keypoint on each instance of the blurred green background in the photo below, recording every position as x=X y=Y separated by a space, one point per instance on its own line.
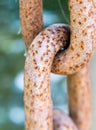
x=12 y=51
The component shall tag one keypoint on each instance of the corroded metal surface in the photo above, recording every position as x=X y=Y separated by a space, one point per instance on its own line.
x=62 y=121
x=40 y=59
x=31 y=19
x=82 y=39
x=79 y=92
x=37 y=98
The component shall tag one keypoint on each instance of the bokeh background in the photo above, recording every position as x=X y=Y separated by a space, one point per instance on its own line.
x=12 y=57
